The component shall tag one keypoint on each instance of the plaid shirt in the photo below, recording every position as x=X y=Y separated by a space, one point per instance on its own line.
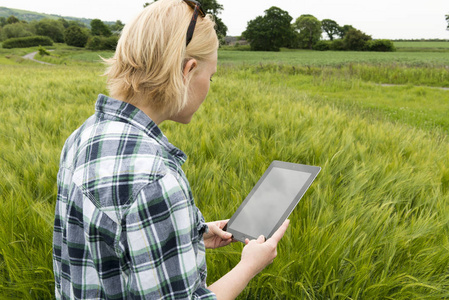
x=126 y=226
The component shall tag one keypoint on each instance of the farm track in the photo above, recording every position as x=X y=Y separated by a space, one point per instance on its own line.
x=424 y=86
x=31 y=55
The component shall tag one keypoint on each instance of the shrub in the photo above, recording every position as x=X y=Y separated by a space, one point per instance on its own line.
x=381 y=46
x=75 y=36
x=16 y=30
x=110 y=43
x=43 y=51
x=322 y=45
x=102 y=43
x=94 y=43
x=337 y=45
x=26 y=42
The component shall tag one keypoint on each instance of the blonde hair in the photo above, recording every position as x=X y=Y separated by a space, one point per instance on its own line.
x=151 y=54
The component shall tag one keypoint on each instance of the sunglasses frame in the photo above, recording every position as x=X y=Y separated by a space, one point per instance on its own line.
x=196 y=6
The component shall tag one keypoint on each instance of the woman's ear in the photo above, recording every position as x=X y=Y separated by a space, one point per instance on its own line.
x=190 y=65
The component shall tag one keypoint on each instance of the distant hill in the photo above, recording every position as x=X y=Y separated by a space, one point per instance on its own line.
x=29 y=16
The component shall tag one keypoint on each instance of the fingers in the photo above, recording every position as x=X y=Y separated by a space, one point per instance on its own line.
x=276 y=237
x=259 y=240
x=222 y=223
x=216 y=229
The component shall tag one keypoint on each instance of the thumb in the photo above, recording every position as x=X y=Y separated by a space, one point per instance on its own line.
x=220 y=232
x=261 y=239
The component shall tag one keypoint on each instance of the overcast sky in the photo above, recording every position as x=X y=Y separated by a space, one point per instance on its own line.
x=391 y=19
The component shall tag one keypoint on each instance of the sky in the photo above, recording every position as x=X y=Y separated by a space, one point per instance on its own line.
x=382 y=19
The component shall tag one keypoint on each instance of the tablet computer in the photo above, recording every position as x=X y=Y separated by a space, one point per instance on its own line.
x=271 y=200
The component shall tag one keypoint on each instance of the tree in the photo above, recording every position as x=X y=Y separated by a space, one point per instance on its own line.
x=64 y=22
x=309 y=29
x=447 y=20
x=344 y=29
x=54 y=29
x=2 y=21
x=99 y=28
x=12 y=20
x=17 y=30
x=330 y=27
x=117 y=27
x=356 y=40
x=76 y=36
x=270 y=32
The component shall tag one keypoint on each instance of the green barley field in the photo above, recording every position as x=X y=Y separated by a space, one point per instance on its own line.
x=374 y=224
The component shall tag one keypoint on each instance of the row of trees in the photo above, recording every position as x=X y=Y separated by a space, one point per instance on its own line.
x=98 y=36
x=275 y=30
x=269 y=32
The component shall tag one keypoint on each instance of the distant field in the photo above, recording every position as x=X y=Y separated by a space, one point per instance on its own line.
x=374 y=224
x=333 y=58
x=428 y=45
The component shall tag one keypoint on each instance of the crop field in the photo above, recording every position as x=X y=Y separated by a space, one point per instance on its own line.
x=374 y=224
x=423 y=46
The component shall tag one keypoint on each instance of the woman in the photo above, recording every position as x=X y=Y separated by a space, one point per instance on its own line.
x=126 y=224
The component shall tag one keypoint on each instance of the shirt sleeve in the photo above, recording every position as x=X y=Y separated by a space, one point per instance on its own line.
x=163 y=241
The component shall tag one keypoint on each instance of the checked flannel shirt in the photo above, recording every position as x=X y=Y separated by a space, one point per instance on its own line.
x=126 y=226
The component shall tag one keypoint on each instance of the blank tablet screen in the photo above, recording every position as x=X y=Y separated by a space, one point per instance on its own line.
x=271 y=200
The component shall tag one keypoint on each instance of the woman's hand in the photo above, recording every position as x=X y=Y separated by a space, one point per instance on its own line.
x=257 y=254
x=216 y=237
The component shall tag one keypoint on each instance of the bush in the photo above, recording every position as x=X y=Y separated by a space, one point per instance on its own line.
x=75 y=36
x=16 y=30
x=322 y=45
x=26 y=42
x=337 y=45
x=381 y=46
x=102 y=43
x=43 y=51
x=110 y=43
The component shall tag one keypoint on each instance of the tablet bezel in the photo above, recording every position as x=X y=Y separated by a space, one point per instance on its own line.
x=312 y=170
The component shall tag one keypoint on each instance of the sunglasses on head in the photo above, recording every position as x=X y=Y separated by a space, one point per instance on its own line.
x=196 y=6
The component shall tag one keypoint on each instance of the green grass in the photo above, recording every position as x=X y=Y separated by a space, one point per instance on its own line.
x=333 y=58
x=423 y=46
x=374 y=224
x=418 y=106
x=40 y=106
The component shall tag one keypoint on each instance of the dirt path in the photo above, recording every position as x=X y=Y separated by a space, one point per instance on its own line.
x=432 y=87
x=31 y=55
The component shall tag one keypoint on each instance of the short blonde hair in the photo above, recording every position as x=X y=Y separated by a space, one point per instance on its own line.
x=151 y=54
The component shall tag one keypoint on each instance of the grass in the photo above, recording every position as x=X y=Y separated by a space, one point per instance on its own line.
x=423 y=46
x=374 y=224
x=333 y=58
x=40 y=106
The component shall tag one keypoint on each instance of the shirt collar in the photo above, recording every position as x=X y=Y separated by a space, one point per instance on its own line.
x=129 y=113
